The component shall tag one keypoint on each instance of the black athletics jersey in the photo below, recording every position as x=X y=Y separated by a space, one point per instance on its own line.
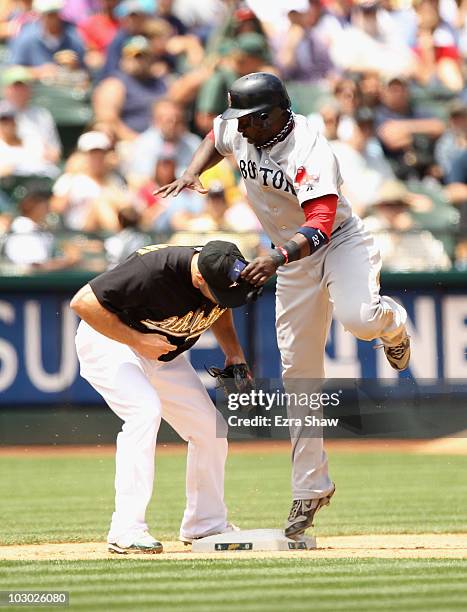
x=152 y=292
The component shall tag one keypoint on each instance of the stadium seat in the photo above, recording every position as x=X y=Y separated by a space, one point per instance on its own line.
x=16 y=187
x=442 y=220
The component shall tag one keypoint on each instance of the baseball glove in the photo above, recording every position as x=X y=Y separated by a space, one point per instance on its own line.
x=236 y=378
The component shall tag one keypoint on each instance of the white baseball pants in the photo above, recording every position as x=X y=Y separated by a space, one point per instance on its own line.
x=342 y=278
x=142 y=392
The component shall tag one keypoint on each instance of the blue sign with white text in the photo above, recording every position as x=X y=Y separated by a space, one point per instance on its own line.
x=38 y=362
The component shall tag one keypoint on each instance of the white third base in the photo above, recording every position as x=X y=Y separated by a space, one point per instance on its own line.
x=252 y=539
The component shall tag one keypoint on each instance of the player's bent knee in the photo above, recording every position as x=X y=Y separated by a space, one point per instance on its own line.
x=365 y=325
x=213 y=432
x=145 y=415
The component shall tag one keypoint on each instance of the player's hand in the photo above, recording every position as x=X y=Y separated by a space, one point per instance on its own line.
x=187 y=180
x=151 y=346
x=259 y=270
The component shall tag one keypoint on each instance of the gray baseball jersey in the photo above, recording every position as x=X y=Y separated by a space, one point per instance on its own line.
x=281 y=178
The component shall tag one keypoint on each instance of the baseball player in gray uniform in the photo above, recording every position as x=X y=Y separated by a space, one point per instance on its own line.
x=324 y=259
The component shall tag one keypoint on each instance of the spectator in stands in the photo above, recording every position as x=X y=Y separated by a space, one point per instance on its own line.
x=220 y=221
x=14 y=15
x=129 y=239
x=454 y=140
x=165 y=11
x=460 y=22
x=166 y=215
x=436 y=47
x=168 y=126
x=219 y=216
x=406 y=133
x=275 y=17
x=244 y=20
x=457 y=175
x=240 y=19
x=456 y=192
x=97 y=32
x=327 y=119
x=362 y=163
x=133 y=15
x=341 y=10
x=200 y=17
x=225 y=174
x=369 y=86
x=29 y=243
x=76 y=11
x=160 y=34
x=89 y=196
x=20 y=157
x=171 y=53
x=50 y=45
x=335 y=117
x=213 y=217
x=35 y=124
x=372 y=43
x=7 y=212
x=124 y=100
x=399 y=17
x=305 y=55
x=249 y=54
x=403 y=245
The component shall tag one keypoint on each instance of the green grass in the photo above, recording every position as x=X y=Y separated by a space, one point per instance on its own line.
x=71 y=499
x=249 y=586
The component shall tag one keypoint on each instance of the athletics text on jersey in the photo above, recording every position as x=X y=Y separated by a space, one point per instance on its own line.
x=152 y=292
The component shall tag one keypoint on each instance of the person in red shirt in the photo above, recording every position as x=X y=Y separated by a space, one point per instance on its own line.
x=97 y=31
x=440 y=60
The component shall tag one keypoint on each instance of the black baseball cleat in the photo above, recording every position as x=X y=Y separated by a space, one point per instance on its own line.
x=398 y=355
x=302 y=514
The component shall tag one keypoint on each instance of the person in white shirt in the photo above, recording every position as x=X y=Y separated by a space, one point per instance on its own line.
x=89 y=198
x=29 y=243
x=404 y=245
x=36 y=126
x=20 y=157
x=169 y=126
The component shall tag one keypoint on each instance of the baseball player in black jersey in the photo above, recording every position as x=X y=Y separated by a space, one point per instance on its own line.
x=137 y=322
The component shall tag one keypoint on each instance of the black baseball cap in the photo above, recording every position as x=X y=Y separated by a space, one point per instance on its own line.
x=220 y=264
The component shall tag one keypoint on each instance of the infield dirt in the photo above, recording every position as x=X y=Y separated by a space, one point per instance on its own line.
x=394 y=546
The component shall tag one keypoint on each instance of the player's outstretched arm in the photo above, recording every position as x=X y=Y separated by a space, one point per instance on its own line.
x=204 y=158
x=87 y=306
x=226 y=336
x=262 y=268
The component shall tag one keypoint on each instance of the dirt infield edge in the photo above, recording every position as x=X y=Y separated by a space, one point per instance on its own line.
x=394 y=546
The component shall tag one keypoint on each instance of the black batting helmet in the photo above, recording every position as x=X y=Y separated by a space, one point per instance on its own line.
x=256 y=92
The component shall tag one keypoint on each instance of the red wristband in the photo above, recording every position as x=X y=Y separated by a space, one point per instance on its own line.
x=284 y=253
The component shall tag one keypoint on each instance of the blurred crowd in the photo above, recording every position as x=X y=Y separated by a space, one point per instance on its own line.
x=102 y=101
